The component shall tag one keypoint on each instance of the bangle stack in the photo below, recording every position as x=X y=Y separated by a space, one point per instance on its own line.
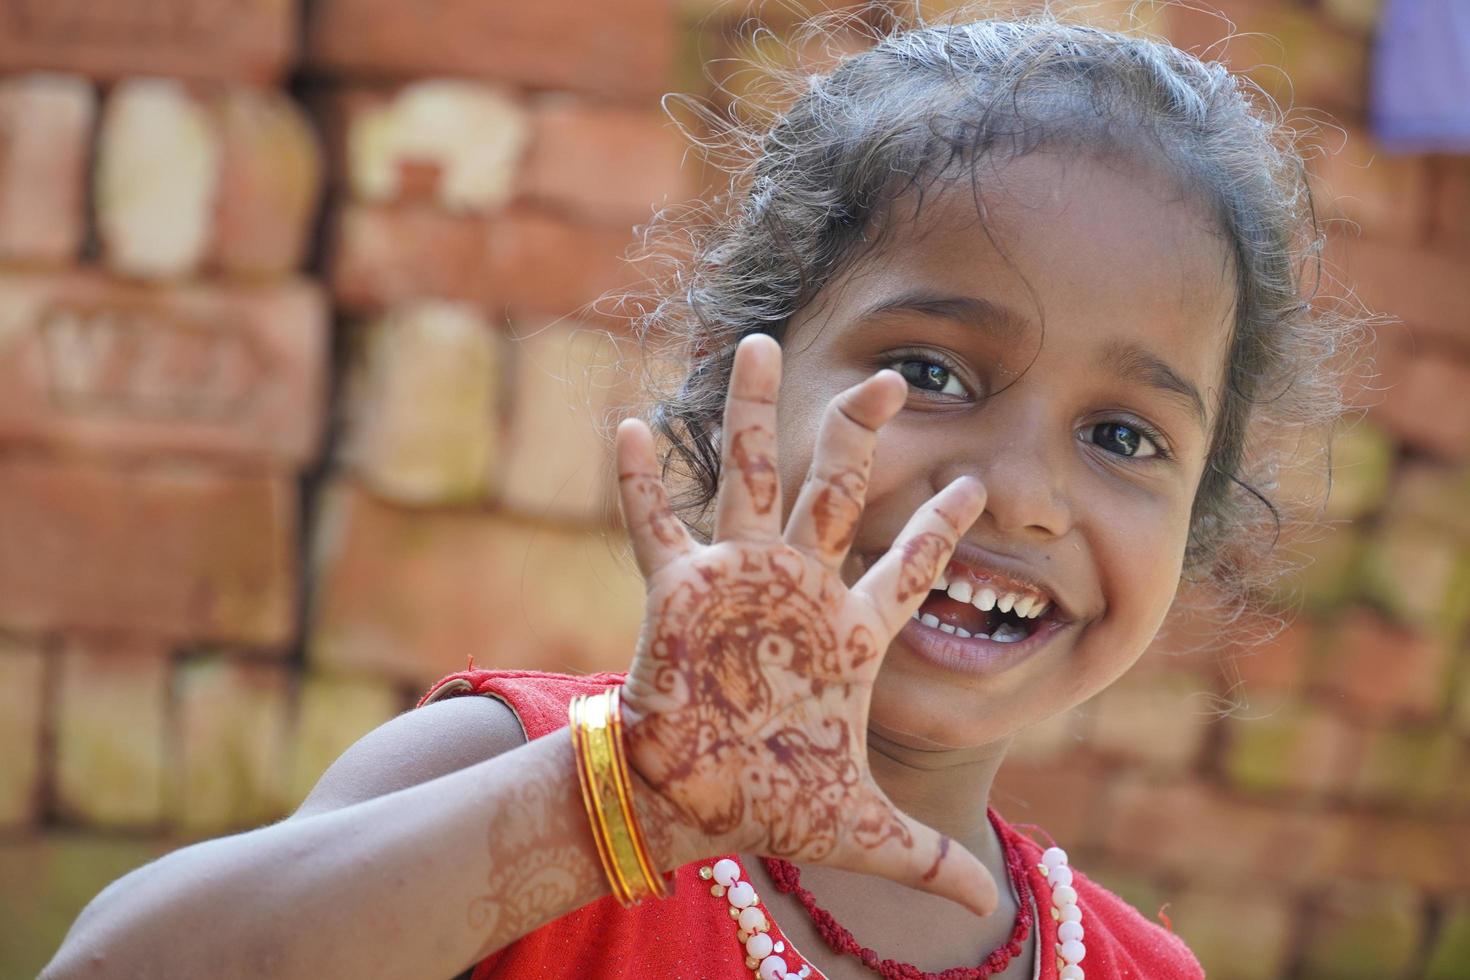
x=607 y=792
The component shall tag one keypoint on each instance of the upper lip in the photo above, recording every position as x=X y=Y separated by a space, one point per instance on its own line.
x=982 y=559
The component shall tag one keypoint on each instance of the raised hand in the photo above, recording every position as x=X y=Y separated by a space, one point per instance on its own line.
x=747 y=700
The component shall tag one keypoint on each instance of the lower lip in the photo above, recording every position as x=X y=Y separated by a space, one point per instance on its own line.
x=972 y=655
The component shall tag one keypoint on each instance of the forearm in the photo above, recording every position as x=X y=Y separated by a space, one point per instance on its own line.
x=418 y=883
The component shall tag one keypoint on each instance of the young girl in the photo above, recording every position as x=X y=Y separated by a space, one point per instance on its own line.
x=1020 y=291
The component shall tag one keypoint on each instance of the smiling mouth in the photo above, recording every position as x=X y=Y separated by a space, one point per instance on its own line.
x=975 y=603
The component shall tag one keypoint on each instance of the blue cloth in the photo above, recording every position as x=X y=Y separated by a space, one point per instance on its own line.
x=1421 y=76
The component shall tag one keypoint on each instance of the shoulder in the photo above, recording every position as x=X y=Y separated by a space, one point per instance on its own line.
x=1133 y=945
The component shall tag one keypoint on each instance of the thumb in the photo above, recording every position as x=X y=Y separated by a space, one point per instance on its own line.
x=889 y=843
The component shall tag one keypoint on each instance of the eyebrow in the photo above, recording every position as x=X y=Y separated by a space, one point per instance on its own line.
x=1136 y=363
x=1129 y=360
x=987 y=315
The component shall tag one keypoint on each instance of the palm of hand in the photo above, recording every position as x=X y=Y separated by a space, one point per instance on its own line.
x=750 y=688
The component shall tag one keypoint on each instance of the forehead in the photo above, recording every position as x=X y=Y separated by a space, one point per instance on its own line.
x=1107 y=249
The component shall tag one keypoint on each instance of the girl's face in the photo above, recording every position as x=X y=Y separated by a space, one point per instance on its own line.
x=1090 y=435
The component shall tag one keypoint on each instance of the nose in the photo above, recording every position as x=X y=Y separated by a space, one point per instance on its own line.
x=1023 y=466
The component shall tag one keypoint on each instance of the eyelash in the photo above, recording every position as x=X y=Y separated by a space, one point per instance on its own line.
x=1160 y=444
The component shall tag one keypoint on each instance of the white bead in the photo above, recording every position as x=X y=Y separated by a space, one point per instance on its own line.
x=1064 y=895
x=793 y=976
x=1053 y=858
x=727 y=872
x=759 y=945
x=1070 y=930
x=1071 y=913
x=752 y=919
x=773 y=968
x=1070 y=972
x=1073 y=951
x=741 y=894
x=1060 y=875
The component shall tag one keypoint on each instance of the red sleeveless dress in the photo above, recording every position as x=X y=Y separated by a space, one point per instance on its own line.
x=691 y=935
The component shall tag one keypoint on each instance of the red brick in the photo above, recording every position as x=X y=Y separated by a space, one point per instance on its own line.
x=45 y=140
x=230 y=729
x=1212 y=922
x=1426 y=288
x=613 y=165
x=383 y=255
x=269 y=184
x=408 y=595
x=1430 y=853
x=1156 y=718
x=1198 y=832
x=1366 y=932
x=421 y=404
x=23 y=696
x=95 y=365
x=332 y=713
x=542 y=264
x=173 y=552
x=111 y=732
x=1433 y=494
x=568 y=380
x=1369 y=192
x=451 y=143
x=1259 y=676
x=1419 y=575
x=1294 y=747
x=1295 y=56
x=1380 y=671
x=615 y=52
x=1450 y=214
x=1424 y=404
x=244 y=40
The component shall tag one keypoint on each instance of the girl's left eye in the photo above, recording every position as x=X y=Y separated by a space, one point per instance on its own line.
x=927 y=375
x=1122 y=439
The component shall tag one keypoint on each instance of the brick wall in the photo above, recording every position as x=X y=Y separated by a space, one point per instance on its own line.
x=298 y=405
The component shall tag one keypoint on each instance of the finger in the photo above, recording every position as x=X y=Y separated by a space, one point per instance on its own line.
x=748 y=507
x=658 y=537
x=891 y=844
x=831 y=501
x=897 y=584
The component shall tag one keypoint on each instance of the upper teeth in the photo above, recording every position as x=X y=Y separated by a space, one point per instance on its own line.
x=985 y=598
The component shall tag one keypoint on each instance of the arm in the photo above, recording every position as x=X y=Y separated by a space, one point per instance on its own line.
x=390 y=868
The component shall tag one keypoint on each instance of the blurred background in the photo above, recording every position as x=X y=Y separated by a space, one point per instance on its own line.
x=295 y=415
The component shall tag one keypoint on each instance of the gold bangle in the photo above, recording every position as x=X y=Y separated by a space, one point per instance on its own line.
x=607 y=793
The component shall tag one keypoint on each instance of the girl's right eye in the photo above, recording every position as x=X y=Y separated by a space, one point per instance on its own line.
x=928 y=375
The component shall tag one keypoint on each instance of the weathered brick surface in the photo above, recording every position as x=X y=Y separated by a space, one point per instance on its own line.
x=1449 y=959
x=543 y=264
x=1424 y=287
x=46 y=879
x=1260 y=676
x=94 y=364
x=1420 y=575
x=331 y=714
x=173 y=552
x=1154 y=717
x=158 y=169
x=408 y=595
x=245 y=40
x=1213 y=923
x=45 y=139
x=422 y=409
x=1370 y=192
x=1295 y=747
x=111 y=702
x=1362 y=932
x=1427 y=851
x=1419 y=400
x=1063 y=795
x=455 y=144
x=230 y=745
x=612 y=164
x=269 y=184
x=1382 y=671
x=616 y=52
x=385 y=255
x=568 y=382
x=1410 y=768
x=23 y=699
